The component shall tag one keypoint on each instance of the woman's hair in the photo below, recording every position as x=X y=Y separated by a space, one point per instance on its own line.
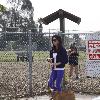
x=73 y=47
x=60 y=42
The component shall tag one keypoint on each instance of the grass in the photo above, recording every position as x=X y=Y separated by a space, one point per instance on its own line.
x=7 y=56
x=82 y=55
x=10 y=56
x=40 y=54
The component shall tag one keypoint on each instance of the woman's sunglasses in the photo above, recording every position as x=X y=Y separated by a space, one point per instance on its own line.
x=54 y=40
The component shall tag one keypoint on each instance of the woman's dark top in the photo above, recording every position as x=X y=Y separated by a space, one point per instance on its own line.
x=73 y=57
x=61 y=57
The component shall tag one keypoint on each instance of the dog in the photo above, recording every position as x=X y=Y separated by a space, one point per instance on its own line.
x=64 y=95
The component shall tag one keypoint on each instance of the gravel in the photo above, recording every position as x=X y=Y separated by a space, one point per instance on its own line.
x=14 y=79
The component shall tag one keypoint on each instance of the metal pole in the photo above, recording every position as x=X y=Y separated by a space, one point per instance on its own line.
x=49 y=41
x=62 y=28
x=30 y=64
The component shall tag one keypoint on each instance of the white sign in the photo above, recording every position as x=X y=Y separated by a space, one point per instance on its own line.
x=93 y=54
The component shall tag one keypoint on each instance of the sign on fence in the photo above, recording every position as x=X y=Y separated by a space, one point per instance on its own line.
x=93 y=54
x=94 y=49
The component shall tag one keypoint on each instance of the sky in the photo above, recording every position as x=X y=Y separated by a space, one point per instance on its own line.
x=87 y=10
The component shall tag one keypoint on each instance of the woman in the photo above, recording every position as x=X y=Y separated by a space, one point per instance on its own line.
x=73 y=60
x=58 y=60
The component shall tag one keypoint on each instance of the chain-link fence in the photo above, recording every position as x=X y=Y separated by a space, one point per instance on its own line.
x=24 y=70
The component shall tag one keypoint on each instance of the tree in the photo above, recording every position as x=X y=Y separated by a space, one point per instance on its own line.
x=13 y=20
x=2 y=8
x=19 y=17
x=3 y=22
x=2 y=16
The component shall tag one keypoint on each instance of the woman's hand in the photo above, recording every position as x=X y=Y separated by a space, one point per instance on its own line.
x=56 y=64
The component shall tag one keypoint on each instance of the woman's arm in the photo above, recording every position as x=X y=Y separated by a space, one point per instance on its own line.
x=56 y=64
x=64 y=57
x=51 y=57
x=76 y=53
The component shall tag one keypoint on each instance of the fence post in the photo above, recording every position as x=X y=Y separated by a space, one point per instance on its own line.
x=30 y=63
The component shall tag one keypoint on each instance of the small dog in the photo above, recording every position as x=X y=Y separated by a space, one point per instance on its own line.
x=65 y=95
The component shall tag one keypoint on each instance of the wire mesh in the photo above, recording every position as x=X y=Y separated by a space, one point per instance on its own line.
x=14 y=64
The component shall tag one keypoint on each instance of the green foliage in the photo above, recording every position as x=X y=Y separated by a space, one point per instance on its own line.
x=2 y=8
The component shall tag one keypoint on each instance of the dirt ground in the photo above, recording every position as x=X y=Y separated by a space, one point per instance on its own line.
x=14 y=79
x=78 y=97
